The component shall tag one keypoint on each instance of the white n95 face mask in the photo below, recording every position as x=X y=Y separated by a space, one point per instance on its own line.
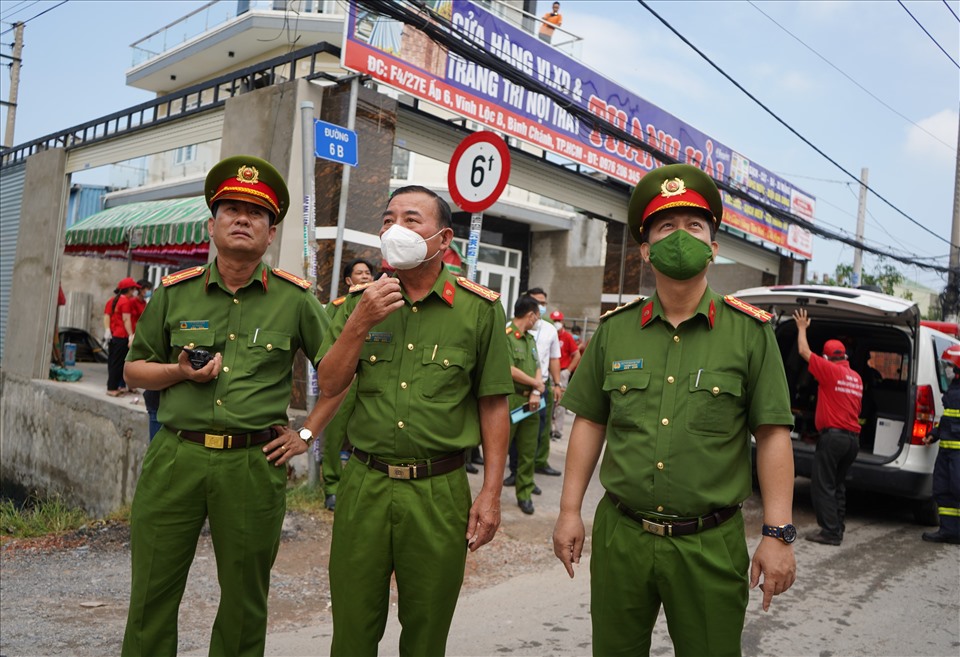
x=404 y=249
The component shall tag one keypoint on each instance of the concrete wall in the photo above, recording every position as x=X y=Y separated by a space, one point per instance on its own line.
x=60 y=442
x=33 y=295
x=569 y=266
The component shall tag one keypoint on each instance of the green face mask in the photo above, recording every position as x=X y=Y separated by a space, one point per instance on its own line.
x=680 y=255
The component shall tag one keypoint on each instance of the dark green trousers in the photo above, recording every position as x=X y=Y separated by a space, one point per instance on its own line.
x=181 y=485
x=701 y=580
x=524 y=434
x=546 y=426
x=413 y=529
x=334 y=437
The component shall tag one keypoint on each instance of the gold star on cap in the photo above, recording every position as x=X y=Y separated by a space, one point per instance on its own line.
x=672 y=187
x=248 y=174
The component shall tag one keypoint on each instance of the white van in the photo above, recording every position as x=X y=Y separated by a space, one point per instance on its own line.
x=903 y=381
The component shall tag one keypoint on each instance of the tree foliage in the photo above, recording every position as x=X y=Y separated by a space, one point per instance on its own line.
x=884 y=276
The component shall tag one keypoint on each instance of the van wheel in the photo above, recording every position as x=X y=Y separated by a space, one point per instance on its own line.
x=925 y=512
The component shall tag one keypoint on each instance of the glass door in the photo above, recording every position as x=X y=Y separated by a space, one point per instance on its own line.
x=498 y=268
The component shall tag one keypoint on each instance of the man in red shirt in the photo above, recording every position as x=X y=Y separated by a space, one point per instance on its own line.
x=569 y=357
x=840 y=392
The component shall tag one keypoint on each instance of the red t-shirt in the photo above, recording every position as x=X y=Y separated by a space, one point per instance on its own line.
x=840 y=394
x=138 y=305
x=567 y=346
x=124 y=305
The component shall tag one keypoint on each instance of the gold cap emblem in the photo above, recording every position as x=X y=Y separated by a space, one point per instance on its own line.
x=672 y=187
x=248 y=174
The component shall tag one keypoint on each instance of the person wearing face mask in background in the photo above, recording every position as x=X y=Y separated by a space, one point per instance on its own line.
x=356 y=273
x=569 y=358
x=433 y=373
x=674 y=385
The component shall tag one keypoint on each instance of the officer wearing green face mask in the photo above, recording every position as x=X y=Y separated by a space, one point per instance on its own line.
x=674 y=385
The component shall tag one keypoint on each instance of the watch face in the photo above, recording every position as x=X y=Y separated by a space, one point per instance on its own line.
x=306 y=434
x=788 y=533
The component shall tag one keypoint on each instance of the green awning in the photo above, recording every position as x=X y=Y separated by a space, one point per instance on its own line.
x=169 y=222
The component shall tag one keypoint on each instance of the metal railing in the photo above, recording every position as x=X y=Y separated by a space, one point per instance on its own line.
x=201 y=97
x=216 y=13
x=563 y=40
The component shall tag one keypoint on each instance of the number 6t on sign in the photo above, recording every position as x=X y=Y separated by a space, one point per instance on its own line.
x=478 y=174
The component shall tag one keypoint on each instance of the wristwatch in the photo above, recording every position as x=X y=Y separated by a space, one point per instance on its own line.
x=306 y=435
x=786 y=533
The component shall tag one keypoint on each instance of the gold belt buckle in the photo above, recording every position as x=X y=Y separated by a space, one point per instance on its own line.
x=214 y=440
x=400 y=471
x=660 y=529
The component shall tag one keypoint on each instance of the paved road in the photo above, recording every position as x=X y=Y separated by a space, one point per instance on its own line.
x=883 y=592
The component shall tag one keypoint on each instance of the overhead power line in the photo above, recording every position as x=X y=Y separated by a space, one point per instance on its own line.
x=10 y=11
x=446 y=35
x=950 y=9
x=844 y=74
x=45 y=11
x=936 y=43
x=784 y=123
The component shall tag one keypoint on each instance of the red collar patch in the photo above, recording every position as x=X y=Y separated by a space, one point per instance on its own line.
x=449 y=292
x=646 y=314
x=712 y=313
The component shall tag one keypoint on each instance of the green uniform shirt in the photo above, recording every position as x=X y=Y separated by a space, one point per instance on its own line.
x=523 y=353
x=258 y=330
x=422 y=370
x=679 y=403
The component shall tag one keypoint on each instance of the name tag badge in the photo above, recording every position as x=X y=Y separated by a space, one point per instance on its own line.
x=379 y=337
x=195 y=325
x=623 y=365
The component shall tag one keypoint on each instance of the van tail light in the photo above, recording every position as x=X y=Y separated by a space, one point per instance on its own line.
x=923 y=415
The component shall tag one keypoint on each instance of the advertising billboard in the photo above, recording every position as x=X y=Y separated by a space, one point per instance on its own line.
x=403 y=57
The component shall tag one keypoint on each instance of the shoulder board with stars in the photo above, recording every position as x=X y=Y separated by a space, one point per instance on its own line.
x=761 y=316
x=339 y=300
x=180 y=276
x=477 y=289
x=629 y=304
x=359 y=287
x=296 y=280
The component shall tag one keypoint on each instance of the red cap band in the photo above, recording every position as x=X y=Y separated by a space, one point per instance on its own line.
x=688 y=198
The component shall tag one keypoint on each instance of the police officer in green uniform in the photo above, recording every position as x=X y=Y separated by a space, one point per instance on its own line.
x=221 y=452
x=433 y=375
x=675 y=384
x=528 y=389
x=355 y=272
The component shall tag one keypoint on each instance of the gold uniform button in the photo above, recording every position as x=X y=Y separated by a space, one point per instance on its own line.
x=191 y=346
x=446 y=362
x=664 y=421
x=269 y=347
x=233 y=336
x=403 y=384
x=670 y=379
x=410 y=347
x=226 y=369
x=414 y=309
x=373 y=359
x=219 y=403
x=659 y=465
x=400 y=424
x=623 y=388
x=660 y=509
x=236 y=300
x=676 y=338
x=715 y=390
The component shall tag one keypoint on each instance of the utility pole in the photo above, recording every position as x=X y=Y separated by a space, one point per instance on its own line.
x=861 y=218
x=14 y=84
x=949 y=300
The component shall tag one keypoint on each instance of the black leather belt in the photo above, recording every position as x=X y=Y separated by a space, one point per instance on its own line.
x=417 y=470
x=228 y=441
x=844 y=431
x=676 y=527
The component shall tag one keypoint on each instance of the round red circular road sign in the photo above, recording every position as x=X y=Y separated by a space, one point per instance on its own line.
x=479 y=170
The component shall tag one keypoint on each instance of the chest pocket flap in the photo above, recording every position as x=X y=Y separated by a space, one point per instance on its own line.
x=627 y=392
x=444 y=373
x=373 y=357
x=714 y=401
x=192 y=339
x=269 y=340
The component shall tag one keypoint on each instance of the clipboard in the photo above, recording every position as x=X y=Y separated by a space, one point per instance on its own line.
x=524 y=411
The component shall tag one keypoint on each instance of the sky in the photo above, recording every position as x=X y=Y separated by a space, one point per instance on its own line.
x=842 y=74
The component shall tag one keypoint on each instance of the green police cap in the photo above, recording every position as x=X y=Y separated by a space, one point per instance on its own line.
x=673 y=186
x=250 y=179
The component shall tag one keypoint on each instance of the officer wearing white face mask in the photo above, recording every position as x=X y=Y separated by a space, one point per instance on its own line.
x=433 y=374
